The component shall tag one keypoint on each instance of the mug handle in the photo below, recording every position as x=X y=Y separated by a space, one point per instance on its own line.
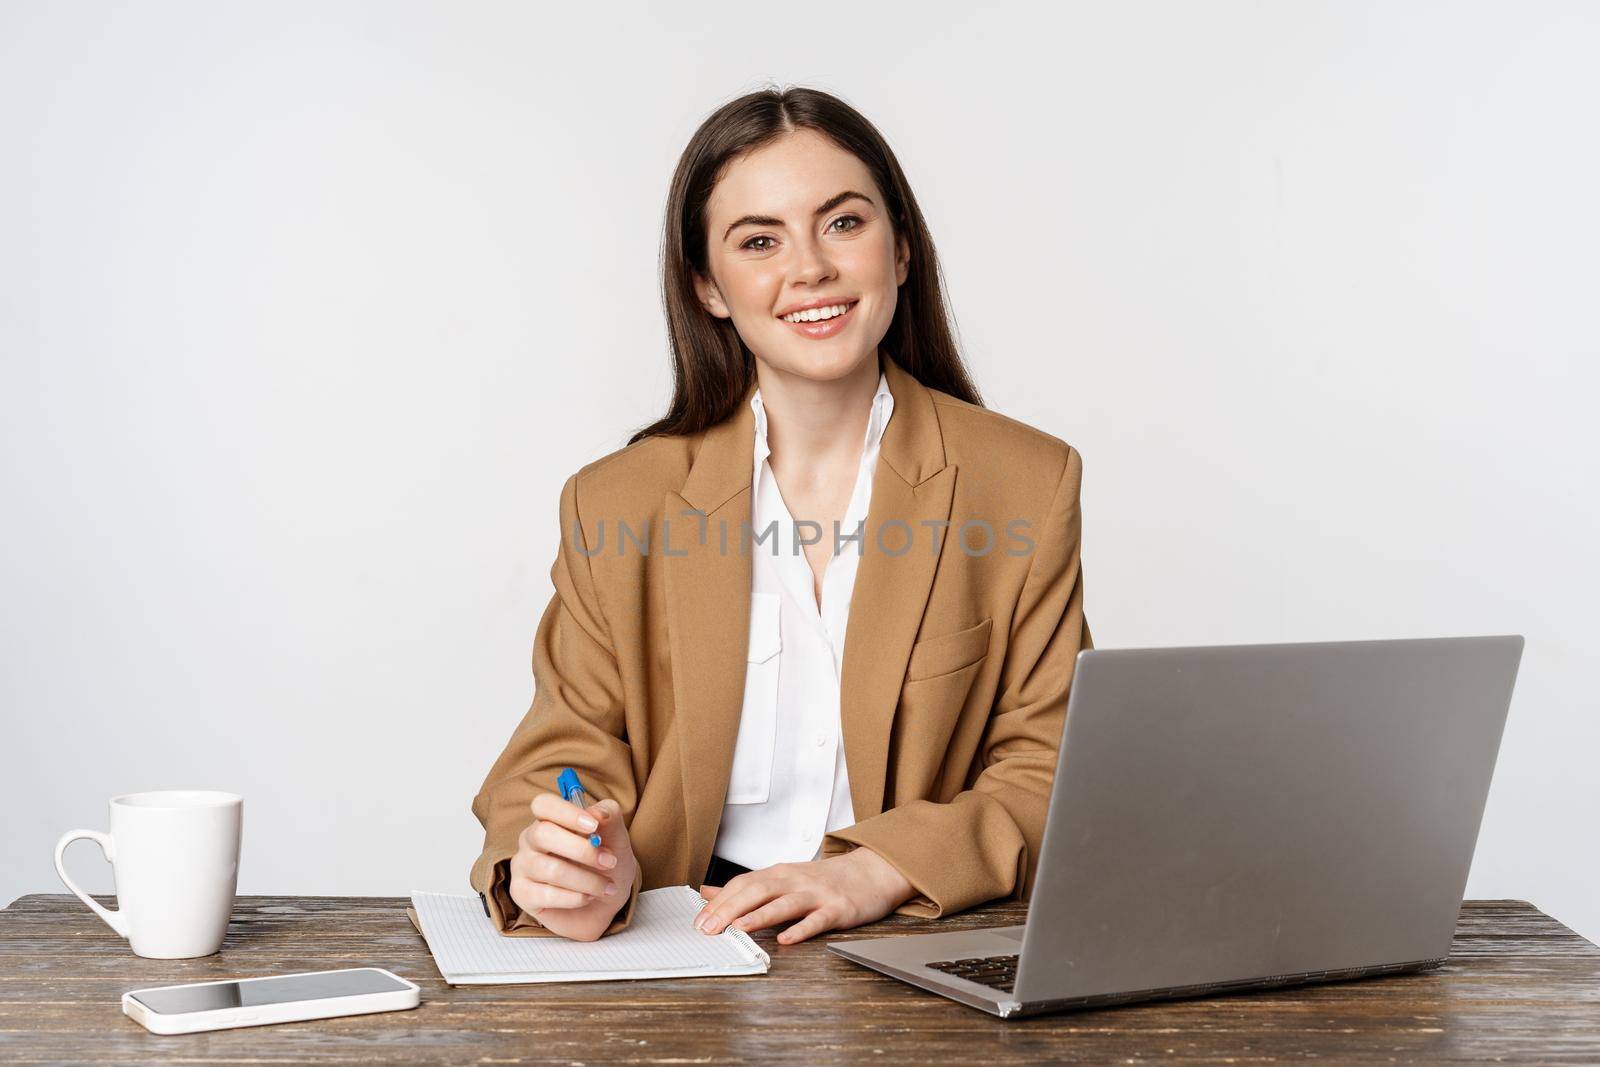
x=114 y=919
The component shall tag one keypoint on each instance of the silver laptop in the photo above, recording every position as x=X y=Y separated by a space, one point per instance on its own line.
x=1241 y=817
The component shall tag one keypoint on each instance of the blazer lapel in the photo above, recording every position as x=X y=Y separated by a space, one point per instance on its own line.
x=708 y=601
x=708 y=620
x=912 y=485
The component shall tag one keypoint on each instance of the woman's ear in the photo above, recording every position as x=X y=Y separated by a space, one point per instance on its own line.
x=710 y=296
x=902 y=260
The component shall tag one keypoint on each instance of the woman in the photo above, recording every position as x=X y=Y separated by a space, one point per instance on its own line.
x=825 y=461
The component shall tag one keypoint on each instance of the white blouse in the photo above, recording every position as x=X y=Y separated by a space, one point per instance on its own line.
x=789 y=786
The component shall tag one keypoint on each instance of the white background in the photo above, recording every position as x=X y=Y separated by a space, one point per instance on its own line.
x=306 y=312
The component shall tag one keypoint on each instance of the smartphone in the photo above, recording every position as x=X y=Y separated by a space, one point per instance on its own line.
x=284 y=998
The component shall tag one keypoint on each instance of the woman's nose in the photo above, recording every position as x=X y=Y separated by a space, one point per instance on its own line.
x=811 y=264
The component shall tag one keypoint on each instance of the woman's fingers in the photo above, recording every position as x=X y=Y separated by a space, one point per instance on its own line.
x=564 y=874
x=819 y=921
x=555 y=866
x=532 y=896
x=540 y=837
x=789 y=906
x=740 y=895
x=613 y=830
x=551 y=808
x=604 y=818
x=559 y=841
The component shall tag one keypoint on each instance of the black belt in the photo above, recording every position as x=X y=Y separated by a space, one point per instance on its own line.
x=721 y=870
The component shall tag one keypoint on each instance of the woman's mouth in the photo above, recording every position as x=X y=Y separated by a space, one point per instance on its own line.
x=817 y=329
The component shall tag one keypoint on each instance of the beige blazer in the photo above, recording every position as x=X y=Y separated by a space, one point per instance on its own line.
x=957 y=662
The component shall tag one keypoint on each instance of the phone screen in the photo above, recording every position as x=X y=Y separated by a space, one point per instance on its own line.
x=253 y=992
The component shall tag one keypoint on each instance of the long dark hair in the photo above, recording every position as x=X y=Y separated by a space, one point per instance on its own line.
x=711 y=367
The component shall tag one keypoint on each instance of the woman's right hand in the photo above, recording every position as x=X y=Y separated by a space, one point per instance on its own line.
x=571 y=887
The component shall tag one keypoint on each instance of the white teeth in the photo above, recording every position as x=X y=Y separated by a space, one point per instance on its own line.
x=817 y=314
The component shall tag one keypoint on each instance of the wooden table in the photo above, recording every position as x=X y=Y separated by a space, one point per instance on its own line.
x=1518 y=986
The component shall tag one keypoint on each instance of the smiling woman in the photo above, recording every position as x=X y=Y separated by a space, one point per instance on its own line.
x=766 y=271
x=798 y=181
x=820 y=735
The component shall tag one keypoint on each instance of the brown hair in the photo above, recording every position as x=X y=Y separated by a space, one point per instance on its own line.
x=712 y=369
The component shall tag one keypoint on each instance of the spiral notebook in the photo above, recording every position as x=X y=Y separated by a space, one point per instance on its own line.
x=660 y=942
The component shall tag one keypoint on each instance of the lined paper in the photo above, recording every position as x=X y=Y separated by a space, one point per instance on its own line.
x=660 y=942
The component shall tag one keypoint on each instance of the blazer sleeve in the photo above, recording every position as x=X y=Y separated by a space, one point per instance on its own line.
x=576 y=720
x=984 y=842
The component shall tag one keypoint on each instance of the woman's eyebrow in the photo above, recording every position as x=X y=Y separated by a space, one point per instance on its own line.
x=823 y=208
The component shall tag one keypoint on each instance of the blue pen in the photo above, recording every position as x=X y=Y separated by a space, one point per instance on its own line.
x=572 y=789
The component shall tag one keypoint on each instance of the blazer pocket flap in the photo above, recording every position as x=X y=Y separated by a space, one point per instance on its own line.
x=765 y=638
x=949 y=652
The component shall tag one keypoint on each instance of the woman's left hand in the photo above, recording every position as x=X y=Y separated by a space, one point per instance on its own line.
x=834 y=893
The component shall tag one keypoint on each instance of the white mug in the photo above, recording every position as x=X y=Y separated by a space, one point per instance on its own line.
x=175 y=857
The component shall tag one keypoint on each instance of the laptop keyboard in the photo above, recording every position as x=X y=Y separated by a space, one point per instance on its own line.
x=996 y=972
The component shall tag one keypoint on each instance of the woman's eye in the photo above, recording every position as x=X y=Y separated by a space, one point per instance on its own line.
x=751 y=245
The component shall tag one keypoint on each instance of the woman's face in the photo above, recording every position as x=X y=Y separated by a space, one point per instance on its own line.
x=793 y=224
